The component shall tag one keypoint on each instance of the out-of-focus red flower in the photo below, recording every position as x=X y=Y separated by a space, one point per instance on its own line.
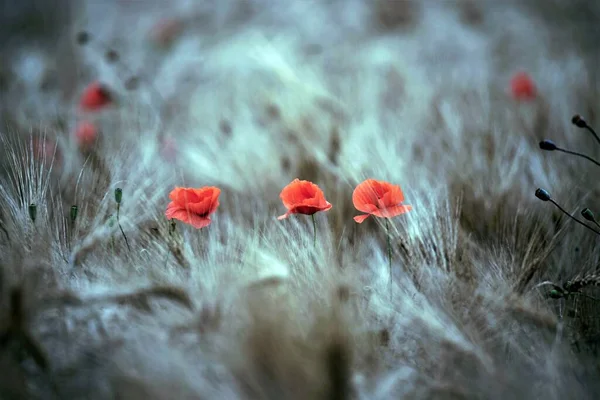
x=303 y=197
x=86 y=134
x=193 y=206
x=522 y=87
x=378 y=198
x=95 y=97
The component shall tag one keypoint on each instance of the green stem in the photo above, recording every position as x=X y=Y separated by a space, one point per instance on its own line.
x=121 y=228
x=71 y=236
x=314 y=230
x=389 y=249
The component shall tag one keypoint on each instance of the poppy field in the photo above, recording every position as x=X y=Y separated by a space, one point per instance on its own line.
x=310 y=199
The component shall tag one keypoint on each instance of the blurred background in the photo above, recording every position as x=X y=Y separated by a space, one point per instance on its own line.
x=167 y=43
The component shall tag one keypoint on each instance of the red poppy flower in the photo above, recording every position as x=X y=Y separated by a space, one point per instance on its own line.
x=303 y=197
x=193 y=206
x=95 y=97
x=522 y=87
x=378 y=198
x=86 y=134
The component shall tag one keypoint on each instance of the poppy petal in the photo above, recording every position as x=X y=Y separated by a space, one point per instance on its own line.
x=298 y=192
x=364 y=196
x=206 y=204
x=284 y=216
x=195 y=220
x=172 y=207
x=392 y=211
x=303 y=197
x=193 y=206
x=393 y=196
x=361 y=218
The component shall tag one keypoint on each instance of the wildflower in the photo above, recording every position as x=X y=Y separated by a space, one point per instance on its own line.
x=95 y=97
x=193 y=206
x=86 y=134
x=381 y=199
x=378 y=198
x=303 y=197
x=522 y=87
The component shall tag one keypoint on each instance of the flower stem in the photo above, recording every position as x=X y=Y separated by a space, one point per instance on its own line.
x=389 y=249
x=121 y=228
x=314 y=230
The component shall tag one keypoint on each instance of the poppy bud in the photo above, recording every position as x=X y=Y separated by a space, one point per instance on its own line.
x=578 y=121
x=555 y=294
x=112 y=56
x=547 y=145
x=73 y=213
x=118 y=195
x=82 y=38
x=32 y=211
x=542 y=194
x=588 y=214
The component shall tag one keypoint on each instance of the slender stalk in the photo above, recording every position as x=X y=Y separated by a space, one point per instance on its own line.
x=314 y=230
x=578 y=155
x=121 y=228
x=389 y=249
x=111 y=223
x=73 y=215
x=32 y=216
x=573 y=218
x=589 y=128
